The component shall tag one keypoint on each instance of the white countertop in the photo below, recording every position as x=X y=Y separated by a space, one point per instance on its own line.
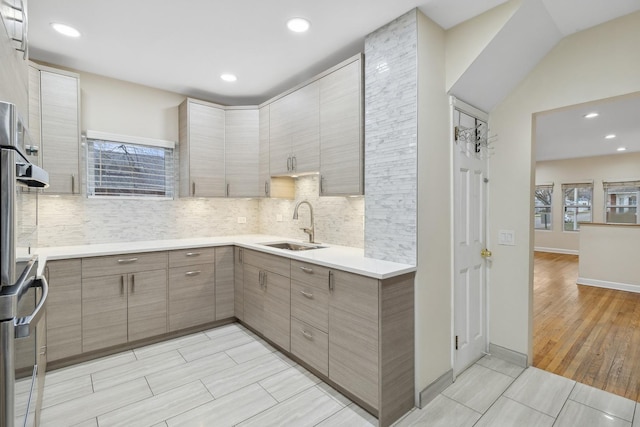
x=333 y=256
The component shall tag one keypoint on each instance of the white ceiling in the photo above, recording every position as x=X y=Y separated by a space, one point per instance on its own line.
x=566 y=133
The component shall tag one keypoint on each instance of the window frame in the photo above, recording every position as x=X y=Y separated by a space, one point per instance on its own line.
x=543 y=187
x=576 y=206
x=632 y=186
x=91 y=137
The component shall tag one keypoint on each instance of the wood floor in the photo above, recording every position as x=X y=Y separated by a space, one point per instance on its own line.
x=588 y=334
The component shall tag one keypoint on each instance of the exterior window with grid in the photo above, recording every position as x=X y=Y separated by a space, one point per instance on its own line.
x=621 y=202
x=577 y=205
x=122 y=166
x=542 y=206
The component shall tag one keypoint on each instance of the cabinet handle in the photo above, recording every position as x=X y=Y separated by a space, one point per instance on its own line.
x=289 y=164
x=260 y=273
x=264 y=279
x=266 y=187
x=331 y=280
x=133 y=283
x=306 y=334
x=307 y=294
x=127 y=260
x=193 y=188
x=73 y=184
x=240 y=256
x=192 y=254
x=228 y=189
x=306 y=269
x=294 y=163
x=321 y=184
x=192 y=273
x=121 y=285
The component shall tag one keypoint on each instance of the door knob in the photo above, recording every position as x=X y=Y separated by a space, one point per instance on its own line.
x=485 y=253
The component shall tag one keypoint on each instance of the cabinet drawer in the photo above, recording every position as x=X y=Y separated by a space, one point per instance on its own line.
x=311 y=274
x=311 y=345
x=310 y=304
x=191 y=256
x=123 y=264
x=273 y=263
x=191 y=296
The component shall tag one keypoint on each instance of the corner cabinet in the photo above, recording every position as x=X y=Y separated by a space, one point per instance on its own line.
x=242 y=152
x=264 y=175
x=341 y=133
x=201 y=147
x=54 y=110
x=294 y=140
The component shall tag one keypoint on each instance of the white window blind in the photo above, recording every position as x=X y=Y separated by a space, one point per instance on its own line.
x=122 y=166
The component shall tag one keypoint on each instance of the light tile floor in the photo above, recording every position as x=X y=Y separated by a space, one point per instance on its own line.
x=228 y=376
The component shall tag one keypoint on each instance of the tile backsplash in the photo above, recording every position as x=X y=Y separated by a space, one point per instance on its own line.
x=77 y=220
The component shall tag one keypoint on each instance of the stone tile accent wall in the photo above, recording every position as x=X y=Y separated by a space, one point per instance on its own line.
x=391 y=141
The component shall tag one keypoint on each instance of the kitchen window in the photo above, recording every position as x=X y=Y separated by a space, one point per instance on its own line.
x=123 y=166
x=577 y=204
x=542 y=206
x=621 y=202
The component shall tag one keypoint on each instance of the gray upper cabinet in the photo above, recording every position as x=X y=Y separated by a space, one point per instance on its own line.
x=341 y=141
x=202 y=146
x=54 y=111
x=242 y=152
x=295 y=132
x=264 y=174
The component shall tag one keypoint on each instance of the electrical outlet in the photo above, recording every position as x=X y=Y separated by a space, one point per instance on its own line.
x=279 y=218
x=242 y=220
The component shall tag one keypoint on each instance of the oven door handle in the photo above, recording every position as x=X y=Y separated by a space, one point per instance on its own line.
x=23 y=324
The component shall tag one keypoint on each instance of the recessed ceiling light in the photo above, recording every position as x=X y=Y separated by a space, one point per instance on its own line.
x=622 y=148
x=610 y=136
x=591 y=115
x=298 y=25
x=228 y=77
x=65 y=29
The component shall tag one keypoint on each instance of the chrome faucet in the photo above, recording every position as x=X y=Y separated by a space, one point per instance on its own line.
x=309 y=230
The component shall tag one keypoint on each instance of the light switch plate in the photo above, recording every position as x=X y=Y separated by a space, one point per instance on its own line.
x=507 y=237
x=242 y=220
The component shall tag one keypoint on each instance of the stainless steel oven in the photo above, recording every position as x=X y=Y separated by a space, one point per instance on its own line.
x=23 y=294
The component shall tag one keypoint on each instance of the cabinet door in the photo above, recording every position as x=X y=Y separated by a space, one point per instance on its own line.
x=191 y=296
x=341 y=146
x=104 y=311
x=280 y=135
x=264 y=176
x=353 y=335
x=224 y=287
x=64 y=308
x=277 y=309
x=206 y=151
x=242 y=153
x=147 y=306
x=253 y=298
x=238 y=283
x=60 y=131
x=34 y=113
x=305 y=138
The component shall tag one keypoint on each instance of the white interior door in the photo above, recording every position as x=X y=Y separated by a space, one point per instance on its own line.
x=470 y=207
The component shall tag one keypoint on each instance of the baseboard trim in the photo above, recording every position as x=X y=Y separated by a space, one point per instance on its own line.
x=508 y=355
x=557 y=251
x=435 y=388
x=628 y=287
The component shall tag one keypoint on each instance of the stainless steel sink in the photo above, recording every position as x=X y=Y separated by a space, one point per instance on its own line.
x=293 y=246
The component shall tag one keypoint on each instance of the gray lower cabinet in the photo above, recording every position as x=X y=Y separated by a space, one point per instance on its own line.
x=191 y=288
x=224 y=283
x=124 y=298
x=267 y=296
x=238 y=283
x=64 y=308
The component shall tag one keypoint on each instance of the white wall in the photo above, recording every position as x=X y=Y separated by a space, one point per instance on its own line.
x=597 y=63
x=617 y=167
x=433 y=278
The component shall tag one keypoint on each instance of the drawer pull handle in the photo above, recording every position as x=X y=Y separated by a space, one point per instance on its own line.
x=121 y=285
x=133 y=283
x=306 y=269
x=193 y=254
x=331 y=284
x=306 y=334
x=127 y=260
x=307 y=294
x=192 y=273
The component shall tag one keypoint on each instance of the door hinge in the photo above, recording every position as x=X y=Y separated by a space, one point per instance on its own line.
x=456 y=342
